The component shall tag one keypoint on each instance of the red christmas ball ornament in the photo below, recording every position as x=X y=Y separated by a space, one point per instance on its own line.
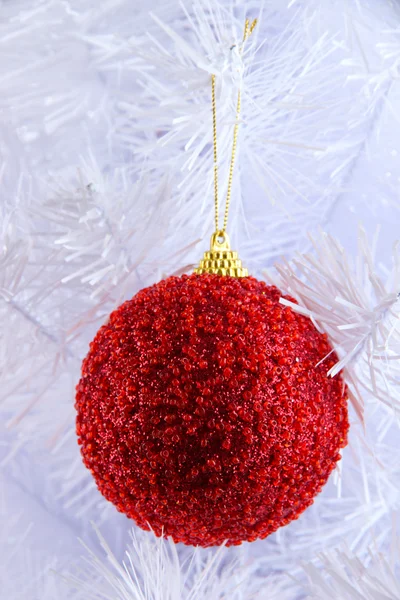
x=205 y=410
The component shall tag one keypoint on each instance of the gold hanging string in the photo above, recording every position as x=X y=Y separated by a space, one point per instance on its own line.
x=248 y=30
x=214 y=114
x=221 y=260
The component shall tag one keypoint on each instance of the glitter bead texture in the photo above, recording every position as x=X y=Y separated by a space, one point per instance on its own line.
x=204 y=411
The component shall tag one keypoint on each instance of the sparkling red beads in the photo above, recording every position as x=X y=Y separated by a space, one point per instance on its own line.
x=204 y=410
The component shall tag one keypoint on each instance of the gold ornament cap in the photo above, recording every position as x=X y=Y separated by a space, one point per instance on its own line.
x=221 y=260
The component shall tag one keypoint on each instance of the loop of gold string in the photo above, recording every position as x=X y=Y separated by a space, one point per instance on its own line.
x=248 y=30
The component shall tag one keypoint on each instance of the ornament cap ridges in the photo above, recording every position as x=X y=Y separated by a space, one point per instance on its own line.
x=220 y=259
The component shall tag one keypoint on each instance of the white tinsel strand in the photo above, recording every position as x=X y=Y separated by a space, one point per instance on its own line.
x=342 y=574
x=101 y=226
x=158 y=569
x=357 y=306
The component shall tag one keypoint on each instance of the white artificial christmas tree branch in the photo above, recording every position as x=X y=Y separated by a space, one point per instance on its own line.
x=157 y=569
x=357 y=306
x=342 y=574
